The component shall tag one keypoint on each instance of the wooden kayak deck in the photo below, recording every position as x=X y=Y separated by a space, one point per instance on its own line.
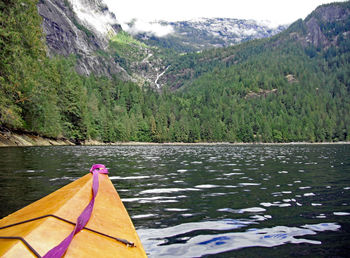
x=109 y=217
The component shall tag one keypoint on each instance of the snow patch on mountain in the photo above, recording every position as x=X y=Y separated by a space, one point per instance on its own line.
x=204 y=33
x=229 y=29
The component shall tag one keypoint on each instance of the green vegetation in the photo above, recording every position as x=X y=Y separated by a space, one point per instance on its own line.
x=125 y=38
x=271 y=90
x=303 y=109
x=126 y=47
x=127 y=50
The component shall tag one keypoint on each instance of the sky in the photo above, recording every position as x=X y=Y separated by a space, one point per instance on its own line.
x=277 y=12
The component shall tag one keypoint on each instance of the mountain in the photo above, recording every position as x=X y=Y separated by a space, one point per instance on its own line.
x=293 y=86
x=205 y=33
x=87 y=30
x=81 y=28
x=326 y=27
x=323 y=30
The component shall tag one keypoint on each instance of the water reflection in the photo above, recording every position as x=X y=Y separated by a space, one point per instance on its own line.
x=191 y=201
x=182 y=241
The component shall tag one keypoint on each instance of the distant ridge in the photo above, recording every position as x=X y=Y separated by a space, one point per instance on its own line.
x=203 y=33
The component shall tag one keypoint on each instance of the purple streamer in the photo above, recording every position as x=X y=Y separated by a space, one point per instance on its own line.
x=84 y=217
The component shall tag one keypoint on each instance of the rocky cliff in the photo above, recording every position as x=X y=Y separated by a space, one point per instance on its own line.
x=323 y=27
x=87 y=30
x=318 y=33
x=82 y=36
x=84 y=28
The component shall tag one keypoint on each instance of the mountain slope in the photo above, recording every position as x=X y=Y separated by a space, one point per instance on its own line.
x=87 y=30
x=294 y=86
x=324 y=29
x=67 y=34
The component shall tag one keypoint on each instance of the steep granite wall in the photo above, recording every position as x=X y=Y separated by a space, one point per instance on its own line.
x=66 y=35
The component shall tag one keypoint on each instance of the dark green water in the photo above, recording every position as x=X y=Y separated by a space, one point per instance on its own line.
x=203 y=201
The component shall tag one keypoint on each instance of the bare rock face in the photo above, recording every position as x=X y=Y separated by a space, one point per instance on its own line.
x=332 y=13
x=315 y=35
x=66 y=35
x=322 y=15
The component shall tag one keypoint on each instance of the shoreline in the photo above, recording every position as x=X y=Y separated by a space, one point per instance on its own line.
x=13 y=139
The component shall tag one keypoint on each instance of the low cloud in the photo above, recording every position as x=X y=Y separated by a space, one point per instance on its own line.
x=150 y=28
x=102 y=21
x=93 y=18
x=249 y=32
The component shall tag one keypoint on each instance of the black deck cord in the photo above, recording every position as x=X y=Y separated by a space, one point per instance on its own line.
x=126 y=242
x=24 y=242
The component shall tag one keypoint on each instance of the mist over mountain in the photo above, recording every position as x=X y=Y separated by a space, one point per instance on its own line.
x=204 y=33
x=85 y=28
x=326 y=29
x=80 y=28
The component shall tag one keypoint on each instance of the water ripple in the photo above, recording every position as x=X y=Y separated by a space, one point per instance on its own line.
x=190 y=201
x=206 y=244
x=167 y=190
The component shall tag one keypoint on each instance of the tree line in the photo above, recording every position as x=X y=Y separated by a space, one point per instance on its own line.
x=247 y=98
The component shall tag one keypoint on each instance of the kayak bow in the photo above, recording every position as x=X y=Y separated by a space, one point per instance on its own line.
x=57 y=221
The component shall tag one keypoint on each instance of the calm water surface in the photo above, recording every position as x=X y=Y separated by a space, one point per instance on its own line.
x=206 y=201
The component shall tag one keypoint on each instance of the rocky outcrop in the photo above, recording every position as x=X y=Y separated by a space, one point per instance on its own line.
x=315 y=35
x=316 y=24
x=331 y=13
x=260 y=93
x=291 y=78
x=66 y=35
x=16 y=138
x=321 y=29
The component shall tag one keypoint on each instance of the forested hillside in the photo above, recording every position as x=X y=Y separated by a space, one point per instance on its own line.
x=292 y=87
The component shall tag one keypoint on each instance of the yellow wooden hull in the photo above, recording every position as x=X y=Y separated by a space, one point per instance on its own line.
x=109 y=217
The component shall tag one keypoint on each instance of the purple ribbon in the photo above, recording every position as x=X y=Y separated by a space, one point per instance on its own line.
x=84 y=217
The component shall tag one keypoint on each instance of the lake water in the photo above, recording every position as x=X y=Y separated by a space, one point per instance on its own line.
x=203 y=201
